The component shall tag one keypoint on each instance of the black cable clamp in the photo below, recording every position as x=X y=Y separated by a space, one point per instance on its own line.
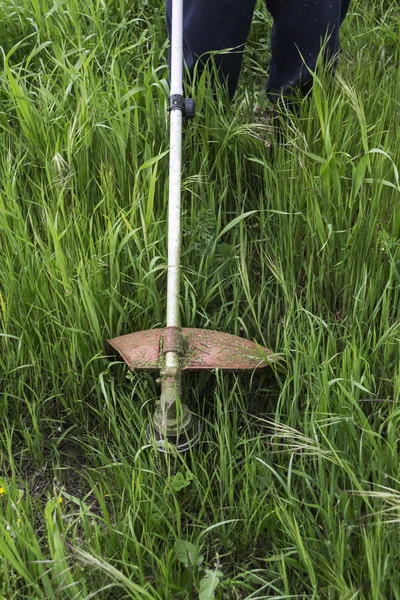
x=185 y=105
x=176 y=102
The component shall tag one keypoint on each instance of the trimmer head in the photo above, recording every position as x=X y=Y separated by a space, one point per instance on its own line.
x=195 y=350
x=200 y=350
x=182 y=437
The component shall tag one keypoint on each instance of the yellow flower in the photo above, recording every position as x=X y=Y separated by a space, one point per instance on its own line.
x=60 y=500
x=2 y=491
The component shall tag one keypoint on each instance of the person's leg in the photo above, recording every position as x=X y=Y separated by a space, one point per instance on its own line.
x=345 y=8
x=213 y=25
x=300 y=28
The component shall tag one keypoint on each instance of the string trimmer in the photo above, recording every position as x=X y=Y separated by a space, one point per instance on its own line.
x=173 y=349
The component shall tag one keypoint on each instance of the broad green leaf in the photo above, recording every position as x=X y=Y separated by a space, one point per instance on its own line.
x=187 y=553
x=209 y=584
x=180 y=481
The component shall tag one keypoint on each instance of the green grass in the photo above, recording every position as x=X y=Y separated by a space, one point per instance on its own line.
x=294 y=490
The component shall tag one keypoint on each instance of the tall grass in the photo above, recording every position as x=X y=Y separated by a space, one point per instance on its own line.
x=293 y=491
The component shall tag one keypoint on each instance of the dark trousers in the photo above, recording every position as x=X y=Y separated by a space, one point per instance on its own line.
x=299 y=29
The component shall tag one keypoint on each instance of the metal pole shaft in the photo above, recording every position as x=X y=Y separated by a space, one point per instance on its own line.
x=173 y=419
x=171 y=376
x=175 y=164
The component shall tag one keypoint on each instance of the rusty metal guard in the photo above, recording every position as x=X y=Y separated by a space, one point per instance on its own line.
x=203 y=349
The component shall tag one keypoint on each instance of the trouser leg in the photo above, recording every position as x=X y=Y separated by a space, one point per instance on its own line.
x=345 y=8
x=299 y=29
x=214 y=25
